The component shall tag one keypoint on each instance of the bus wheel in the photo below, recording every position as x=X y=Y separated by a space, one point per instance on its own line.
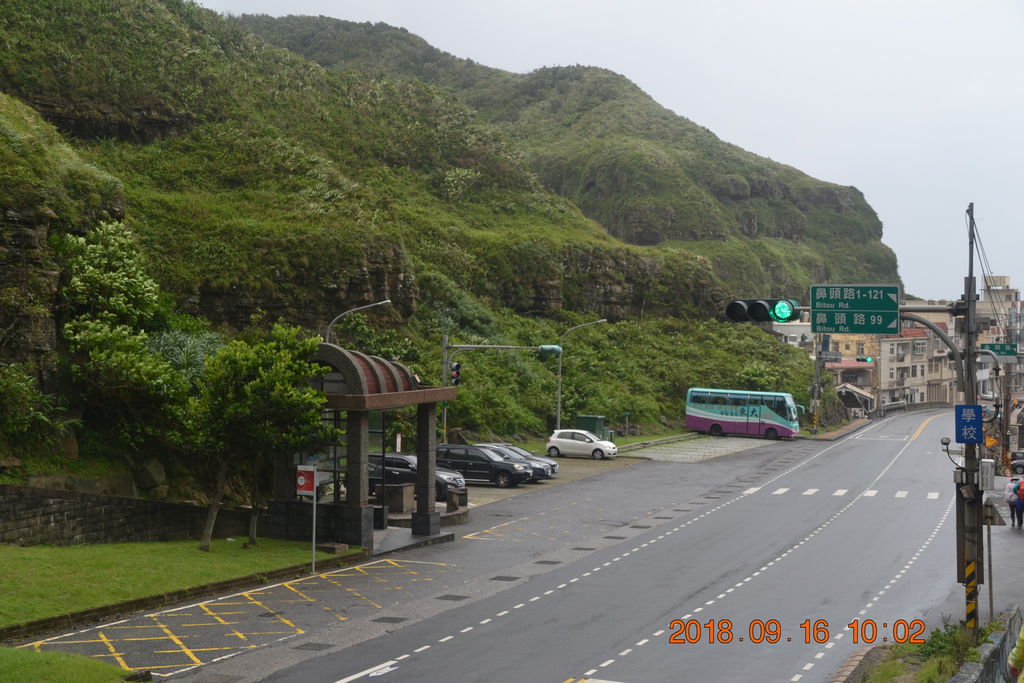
x=771 y=434
x=716 y=430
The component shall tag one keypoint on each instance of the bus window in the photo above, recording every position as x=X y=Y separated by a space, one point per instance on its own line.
x=699 y=397
x=717 y=400
x=777 y=404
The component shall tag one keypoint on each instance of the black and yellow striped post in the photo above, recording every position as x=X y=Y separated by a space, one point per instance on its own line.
x=971 y=594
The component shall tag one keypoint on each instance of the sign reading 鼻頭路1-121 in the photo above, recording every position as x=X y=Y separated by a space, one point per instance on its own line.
x=855 y=309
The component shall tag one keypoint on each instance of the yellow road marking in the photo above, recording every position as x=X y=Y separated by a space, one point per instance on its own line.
x=295 y=590
x=177 y=641
x=359 y=595
x=923 y=425
x=279 y=617
x=208 y=649
x=118 y=656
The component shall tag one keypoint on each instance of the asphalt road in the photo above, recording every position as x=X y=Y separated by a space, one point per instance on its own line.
x=787 y=542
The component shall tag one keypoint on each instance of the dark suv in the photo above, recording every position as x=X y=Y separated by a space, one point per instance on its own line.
x=481 y=464
x=401 y=469
x=541 y=469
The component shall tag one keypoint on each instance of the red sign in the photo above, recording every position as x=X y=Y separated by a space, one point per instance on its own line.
x=305 y=480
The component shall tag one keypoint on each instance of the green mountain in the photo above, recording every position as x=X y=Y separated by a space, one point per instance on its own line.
x=262 y=186
x=648 y=176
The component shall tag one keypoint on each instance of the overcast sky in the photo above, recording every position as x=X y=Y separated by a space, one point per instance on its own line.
x=918 y=103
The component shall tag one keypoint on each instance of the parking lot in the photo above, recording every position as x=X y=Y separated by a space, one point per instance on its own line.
x=569 y=470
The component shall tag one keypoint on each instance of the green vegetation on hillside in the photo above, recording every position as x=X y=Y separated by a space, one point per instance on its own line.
x=646 y=174
x=237 y=185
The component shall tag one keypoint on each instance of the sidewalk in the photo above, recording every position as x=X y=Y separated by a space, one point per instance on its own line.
x=1007 y=570
x=848 y=428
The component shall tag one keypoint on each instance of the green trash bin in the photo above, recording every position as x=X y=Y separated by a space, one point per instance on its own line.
x=610 y=435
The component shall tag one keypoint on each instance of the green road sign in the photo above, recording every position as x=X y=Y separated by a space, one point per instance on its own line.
x=855 y=309
x=1003 y=350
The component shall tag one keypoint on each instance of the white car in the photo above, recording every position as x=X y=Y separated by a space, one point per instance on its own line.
x=580 y=442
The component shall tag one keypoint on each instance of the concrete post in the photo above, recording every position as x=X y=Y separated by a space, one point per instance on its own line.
x=357 y=515
x=426 y=521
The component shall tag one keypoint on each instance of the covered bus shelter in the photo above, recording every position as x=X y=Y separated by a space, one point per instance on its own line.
x=356 y=384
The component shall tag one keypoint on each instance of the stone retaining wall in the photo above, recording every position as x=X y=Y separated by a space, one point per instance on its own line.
x=34 y=516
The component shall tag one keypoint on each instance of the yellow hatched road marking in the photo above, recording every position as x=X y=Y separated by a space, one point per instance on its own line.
x=118 y=656
x=177 y=641
x=209 y=649
x=279 y=617
x=305 y=598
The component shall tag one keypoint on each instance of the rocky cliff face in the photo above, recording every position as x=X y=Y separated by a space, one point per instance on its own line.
x=46 y=189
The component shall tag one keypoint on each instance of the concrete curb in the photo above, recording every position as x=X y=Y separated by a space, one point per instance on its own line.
x=853 y=666
x=854 y=426
x=655 y=442
x=19 y=632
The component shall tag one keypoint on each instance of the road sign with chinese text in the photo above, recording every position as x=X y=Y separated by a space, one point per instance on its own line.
x=855 y=309
x=1002 y=350
x=968 y=424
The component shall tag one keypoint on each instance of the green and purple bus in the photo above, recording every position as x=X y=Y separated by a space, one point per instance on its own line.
x=770 y=414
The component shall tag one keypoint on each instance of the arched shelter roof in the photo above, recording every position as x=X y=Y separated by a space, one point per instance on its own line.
x=357 y=381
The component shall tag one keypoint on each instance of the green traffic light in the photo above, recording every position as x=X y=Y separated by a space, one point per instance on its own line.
x=783 y=310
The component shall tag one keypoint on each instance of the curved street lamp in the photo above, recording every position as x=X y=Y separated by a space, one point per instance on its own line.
x=327 y=337
x=561 y=340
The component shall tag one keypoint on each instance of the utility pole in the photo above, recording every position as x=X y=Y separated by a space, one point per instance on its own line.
x=969 y=510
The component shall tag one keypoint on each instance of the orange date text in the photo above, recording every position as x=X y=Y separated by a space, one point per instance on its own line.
x=724 y=631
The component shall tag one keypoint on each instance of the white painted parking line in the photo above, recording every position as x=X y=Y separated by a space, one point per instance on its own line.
x=840 y=492
x=779 y=492
x=901 y=494
x=809 y=492
x=933 y=495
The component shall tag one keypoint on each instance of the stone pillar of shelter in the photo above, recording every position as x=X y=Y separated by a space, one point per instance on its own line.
x=356 y=514
x=426 y=521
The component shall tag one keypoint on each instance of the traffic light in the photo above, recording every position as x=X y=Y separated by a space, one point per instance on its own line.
x=762 y=310
x=456 y=373
x=865 y=359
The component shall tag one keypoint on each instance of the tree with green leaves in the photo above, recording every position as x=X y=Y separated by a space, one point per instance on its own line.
x=111 y=304
x=254 y=401
x=29 y=419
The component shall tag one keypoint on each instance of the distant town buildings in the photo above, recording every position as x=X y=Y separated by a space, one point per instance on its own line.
x=913 y=366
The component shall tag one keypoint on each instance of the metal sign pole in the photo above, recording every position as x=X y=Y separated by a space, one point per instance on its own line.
x=314 y=519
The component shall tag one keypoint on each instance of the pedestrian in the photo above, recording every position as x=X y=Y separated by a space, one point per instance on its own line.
x=1010 y=496
x=1019 y=509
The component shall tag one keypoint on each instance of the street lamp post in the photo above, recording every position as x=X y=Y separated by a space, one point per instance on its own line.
x=330 y=326
x=561 y=340
x=335 y=417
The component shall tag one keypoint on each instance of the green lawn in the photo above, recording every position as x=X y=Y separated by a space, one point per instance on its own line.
x=45 y=581
x=44 y=667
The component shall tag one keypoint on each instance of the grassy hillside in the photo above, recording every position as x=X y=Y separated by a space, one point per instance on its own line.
x=647 y=175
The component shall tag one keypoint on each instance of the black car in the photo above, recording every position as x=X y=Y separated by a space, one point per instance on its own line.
x=541 y=470
x=401 y=469
x=482 y=465
x=553 y=464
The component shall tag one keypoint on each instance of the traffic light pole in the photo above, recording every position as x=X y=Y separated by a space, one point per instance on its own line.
x=448 y=351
